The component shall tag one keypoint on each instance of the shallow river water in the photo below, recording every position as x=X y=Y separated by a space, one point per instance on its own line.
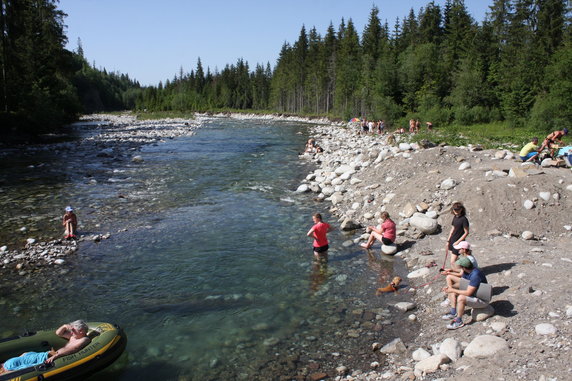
x=215 y=279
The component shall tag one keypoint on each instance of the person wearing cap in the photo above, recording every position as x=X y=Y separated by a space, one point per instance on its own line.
x=70 y=223
x=553 y=137
x=459 y=299
x=529 y=151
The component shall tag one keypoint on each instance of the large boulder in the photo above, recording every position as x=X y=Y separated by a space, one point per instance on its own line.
x=452 y=348
x=486 y=346
x=431 y=364
x=349 y=224
x=389 y=249
x=424 y=223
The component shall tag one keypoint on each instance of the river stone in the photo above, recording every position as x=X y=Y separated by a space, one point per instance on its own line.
x=432 y=214
x=349 y=224
x=431 y=364
x=59 y=261
x=368 y=216
x=328 y=191
x=30 y=241
x=424 y=223
x=485 y=346
x=498 y=326
x=499 y=173
x=527 y=235
x=347 y=175
x=303 y=188
x=342 y=169
x=452 y=348
x=420 y=354
x=405 y=306
x=388 y=197
x=528 y=204
x=337 y=181
x=569 y=188
x=448 y=184
x=544 y=195
x=545 y=329
x=409 y=210
x=389 y=249
x=419 y=273
x=336 y=198
x=137 y=159
x=404 y=146
x=354 y=181
x=500 y=154
x=464 y=166
x=394 y=346
x=481 y=314
x=3 y=249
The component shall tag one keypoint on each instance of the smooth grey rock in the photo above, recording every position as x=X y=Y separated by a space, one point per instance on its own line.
x=389 y=249
x=409 y=210
x=485 y=346
x=481 y=314
x=137 y=159
x=422 y=272
x=544 y=195
x=452 y=348
x=527 y=235
x=303 y=188
x=420 y=354
x=394 y=346
x=545 y=329
x=464 y=166
x=431 y=364
x=424 y=223
x=448 y=184
x=405 y=306
x=528 y=204
x=349 y=224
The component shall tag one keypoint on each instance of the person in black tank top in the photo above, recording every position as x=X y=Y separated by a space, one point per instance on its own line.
x=459 y=231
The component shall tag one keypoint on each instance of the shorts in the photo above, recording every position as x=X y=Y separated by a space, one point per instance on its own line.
x=453 y=250
x=475 y=302
x=321 y=249
x=386 y=241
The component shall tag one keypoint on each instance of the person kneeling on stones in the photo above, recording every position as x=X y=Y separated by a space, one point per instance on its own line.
x=385 y=232
x=459 y=299
x=70 y=223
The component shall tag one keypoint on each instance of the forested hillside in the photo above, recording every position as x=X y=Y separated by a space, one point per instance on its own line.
x=43 y=85
x=437 y=64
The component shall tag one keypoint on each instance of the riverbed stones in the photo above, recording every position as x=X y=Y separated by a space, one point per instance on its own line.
x=420 y=354
x=394 y=346
x=545 y=329
x=419 y=273
x=485 y=346
x=389 y=249
x=452 y=348
x=527 y=235
x=424 y=223
x=528 y=204
x=482 y=314
x=349 y=224
x=431 y=364
x=137 y=159
x=448 y=184
x=405 y=306
x=303 y=188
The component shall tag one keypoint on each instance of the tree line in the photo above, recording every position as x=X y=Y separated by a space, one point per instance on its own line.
x=436 y=64
x=43 y=85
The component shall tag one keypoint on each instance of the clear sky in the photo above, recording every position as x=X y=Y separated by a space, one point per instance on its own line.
x=152 y=40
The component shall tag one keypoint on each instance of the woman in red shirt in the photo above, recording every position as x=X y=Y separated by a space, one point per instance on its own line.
x=385 y=232
x=318 y=232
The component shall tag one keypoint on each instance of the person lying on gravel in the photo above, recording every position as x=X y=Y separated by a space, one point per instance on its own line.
x=459 y=299
x=76 y=334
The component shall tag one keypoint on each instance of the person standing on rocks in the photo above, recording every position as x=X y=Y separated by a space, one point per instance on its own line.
x=70 y=223
x=460 y=299
x=459 y=232
x=385 y=232
x=318 y=232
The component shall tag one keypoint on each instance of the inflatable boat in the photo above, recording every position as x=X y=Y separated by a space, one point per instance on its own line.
x=108 y=341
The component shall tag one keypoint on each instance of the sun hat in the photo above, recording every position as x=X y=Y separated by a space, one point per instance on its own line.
x=463 y=245
x=69 y=209
x=464 y=262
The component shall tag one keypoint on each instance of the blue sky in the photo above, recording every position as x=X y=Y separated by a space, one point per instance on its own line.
x=152 y=40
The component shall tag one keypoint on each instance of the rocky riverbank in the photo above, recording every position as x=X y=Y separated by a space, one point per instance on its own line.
x=520 y=232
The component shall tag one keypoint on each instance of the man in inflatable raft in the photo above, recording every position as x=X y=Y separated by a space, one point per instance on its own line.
x=76 y=334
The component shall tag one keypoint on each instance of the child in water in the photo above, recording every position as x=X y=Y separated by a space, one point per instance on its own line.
x=70 y=223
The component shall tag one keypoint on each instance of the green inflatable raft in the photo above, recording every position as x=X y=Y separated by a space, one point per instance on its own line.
x=108 y=341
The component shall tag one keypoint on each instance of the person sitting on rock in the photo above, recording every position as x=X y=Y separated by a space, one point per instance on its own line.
x=385 y=232
x=70 y=223
x=459 y=299
x=554 y=137
x=76 y=334
x=529 y=151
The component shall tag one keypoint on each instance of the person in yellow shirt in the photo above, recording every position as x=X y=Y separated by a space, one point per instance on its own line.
x=530 y=151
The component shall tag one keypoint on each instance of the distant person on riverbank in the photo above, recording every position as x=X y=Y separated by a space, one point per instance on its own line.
x=459 y=299
x=384 y=232
x=318 y=232
x=429 y=126
x=554 y=137
x=76 y=334
x=459 y=232
x=529 y=151
x=70 y=223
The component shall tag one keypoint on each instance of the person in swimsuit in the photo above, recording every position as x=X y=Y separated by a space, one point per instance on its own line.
x=318 y=232
x=70 y=223
x=76 y=334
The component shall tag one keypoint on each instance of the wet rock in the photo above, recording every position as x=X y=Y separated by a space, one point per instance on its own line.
x=303 y=188
x=394 y=346
x=137 y=159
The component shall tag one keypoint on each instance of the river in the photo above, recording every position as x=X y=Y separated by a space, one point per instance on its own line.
x=213 y=277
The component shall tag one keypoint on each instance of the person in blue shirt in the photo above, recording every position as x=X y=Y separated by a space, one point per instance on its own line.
x=459 y=299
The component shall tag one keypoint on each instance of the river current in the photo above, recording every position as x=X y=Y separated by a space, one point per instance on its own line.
x=216 y=279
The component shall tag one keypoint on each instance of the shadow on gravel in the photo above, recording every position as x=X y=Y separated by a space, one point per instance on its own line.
x=488 y=270
x=504 y=308
x=499 y=290
x=405 y=245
